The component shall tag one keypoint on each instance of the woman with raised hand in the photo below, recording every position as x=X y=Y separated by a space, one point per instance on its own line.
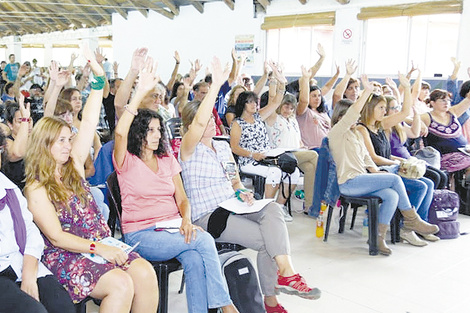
x=210 y=177
x=250 y=141
x=66 y=213
x=375 y=128
x=152 y=191
x=359 y=176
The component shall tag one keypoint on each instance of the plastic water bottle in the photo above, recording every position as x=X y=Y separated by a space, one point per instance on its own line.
x=365 y=227
x=299 y=194
x=320 y=231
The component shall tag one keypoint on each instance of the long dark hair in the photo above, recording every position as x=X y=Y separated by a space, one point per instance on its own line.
x=138 y=133
x=242 y=100
x=321 y=107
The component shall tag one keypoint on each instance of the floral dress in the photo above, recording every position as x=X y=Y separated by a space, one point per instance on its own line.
x=74 y=271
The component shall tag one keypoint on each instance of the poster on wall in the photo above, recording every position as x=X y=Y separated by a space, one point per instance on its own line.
x=245 y=44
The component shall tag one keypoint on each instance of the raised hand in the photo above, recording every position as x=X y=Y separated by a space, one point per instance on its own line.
x=366 y=83
x=351 y=67
x=337 y=69
x=219 y=73
x=99 y=56
x=404 y=82
x=177 y=57
x=197 y=65
x=73 y=57
x=138 y=59
x=320 y=50
x=62 y=78
x=277 y=72
x=148 y=77
x=22 y=71
x=115 y=67
x=391 y=83
x=413 y=68
x=53 y=70
x=306 y=72
x=24 y=110
x=95 y=67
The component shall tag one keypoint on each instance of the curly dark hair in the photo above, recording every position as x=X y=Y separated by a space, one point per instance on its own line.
x=138 y=133
x=243 y=99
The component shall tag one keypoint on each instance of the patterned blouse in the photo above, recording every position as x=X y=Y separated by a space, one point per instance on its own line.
x=254 y=138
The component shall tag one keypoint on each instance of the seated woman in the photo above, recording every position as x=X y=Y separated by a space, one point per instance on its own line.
x=399 y=135
x=18 y=120
x=283 y=131
x=359 y=176
x=208 y=183
x=312 y=115
x=66 y=213
x=232 y=100
x=373 y=127
x=25 y=282
x=445 y=132
x=152 y=191
x=249 y=140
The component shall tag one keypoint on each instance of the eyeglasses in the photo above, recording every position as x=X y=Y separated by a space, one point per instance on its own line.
x=396 y=107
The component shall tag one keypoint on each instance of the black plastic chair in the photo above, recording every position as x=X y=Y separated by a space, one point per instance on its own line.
x=162 y=269
x=173 y=126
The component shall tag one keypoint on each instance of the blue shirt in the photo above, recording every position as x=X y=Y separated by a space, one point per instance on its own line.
x=12 y=71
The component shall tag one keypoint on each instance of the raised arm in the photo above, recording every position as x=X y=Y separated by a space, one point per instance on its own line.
x=396 y=93
x=316 y=67
x=330 y=83
x=198 y=126
x=262 y=80
x=90 y=116
x=61 y=79
x=237 y=64
x=147 y=81
x=361 y=101
x=195 y=68
x=341 y=87
x=394 y=119
x=274 y=102
x=16 y=149
x=463 y=106
x=304 y=91
x=172 y=80
x=124 y=92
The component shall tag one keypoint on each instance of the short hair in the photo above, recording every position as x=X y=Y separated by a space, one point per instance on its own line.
x=231 y=99
x=437 y=94
x=67 y=93
x=425 y=85
x=138 y=133
x=62 y=106
x=242 y=100
x=208 y=79
x=341 y=107
x=112 y=82
x=10 y=110
x=174 y=90
x=287 y=99
x=11 y=55
x=465 y=89
x=199 y=85
x=8 y=86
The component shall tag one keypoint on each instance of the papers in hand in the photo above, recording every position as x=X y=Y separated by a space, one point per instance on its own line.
x=110 y=241
x=171 y=226
x=236 y=206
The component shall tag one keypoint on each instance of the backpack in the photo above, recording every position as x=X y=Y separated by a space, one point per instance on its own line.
x=242 y=282
x=443 y=212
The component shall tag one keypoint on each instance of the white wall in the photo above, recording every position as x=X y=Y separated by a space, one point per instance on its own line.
x=193 y=34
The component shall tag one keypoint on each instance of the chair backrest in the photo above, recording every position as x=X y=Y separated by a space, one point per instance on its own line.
x=114 y=199
x=173 y=126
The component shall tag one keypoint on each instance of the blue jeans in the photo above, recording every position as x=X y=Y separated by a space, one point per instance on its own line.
x=388 y=187
x=206 y=288
x=420 y=192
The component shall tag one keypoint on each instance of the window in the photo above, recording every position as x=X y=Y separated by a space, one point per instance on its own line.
x=427 y=40
x=297 y=46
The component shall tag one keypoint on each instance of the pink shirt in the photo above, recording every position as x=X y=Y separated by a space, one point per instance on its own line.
x=147 y=197
x=314 y=127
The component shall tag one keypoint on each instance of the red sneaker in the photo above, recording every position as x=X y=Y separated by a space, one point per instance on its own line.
x=275 y=309
x=296 y=285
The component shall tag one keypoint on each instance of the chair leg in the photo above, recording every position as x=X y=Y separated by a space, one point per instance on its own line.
x=353 y=220
x=373 y=211
x=328 y=222
x=342 y=220
x=182 y=285
x=162 y=274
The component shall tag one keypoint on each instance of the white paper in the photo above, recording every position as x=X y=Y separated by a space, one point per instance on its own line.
x=171 y=226
x=239 y=207
x=275 y=152
x=109 y=241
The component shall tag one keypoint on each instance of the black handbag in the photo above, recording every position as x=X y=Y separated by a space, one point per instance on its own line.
x=285 y=161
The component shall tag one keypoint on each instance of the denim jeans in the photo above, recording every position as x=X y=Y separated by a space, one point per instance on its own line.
x=420 y=192
x=206 y=288
x=388 y=187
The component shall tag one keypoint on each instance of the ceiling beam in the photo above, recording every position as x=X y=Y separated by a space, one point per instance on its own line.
x=197 y=5
x=152 y=6
x=116 y=7
x=142 y=11
x=33 y=16
x=264 y=4
x=230 y=4
x=170 y=5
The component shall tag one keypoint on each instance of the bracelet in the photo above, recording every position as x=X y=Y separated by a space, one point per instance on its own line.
x=25 y=119
x=241 y=191
x=126 y=107
x=98 y=83
x=92 y=248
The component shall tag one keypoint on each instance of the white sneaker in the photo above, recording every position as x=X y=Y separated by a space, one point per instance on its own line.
x=287 y=216
x=411 y=237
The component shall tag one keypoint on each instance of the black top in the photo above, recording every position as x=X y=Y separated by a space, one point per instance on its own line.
x=380 y=142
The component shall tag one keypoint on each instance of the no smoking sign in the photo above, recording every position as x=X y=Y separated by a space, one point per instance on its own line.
x=347 y=34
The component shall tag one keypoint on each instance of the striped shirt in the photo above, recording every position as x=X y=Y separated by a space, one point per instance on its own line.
x=204 y=178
